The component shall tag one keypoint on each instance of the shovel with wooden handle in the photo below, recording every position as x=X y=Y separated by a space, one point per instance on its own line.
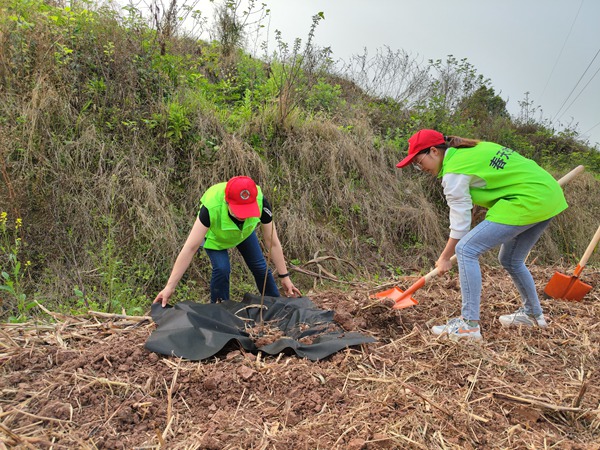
x=567 y=287
x=404 y=299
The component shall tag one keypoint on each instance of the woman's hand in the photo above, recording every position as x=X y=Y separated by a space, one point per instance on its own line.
x=289 y=289
x=183 y=261
x=443 y=265
x=163 y=296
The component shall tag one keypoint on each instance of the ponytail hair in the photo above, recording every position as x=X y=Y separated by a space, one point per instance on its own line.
x=459 y=142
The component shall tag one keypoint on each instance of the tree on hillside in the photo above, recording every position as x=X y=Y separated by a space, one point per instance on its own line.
x=232 y=23
x=482 y=105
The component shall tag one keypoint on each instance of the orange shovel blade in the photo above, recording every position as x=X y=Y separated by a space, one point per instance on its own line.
x=398 y=296
x=405 y=303
x=566 y=287
x=393 y=294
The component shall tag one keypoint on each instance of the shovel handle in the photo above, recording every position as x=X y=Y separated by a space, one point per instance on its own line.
x=572 y=174
x=435 y=271
x=588 y=253
x=421 y=282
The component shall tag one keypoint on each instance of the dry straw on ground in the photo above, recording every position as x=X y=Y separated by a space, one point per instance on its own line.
x=88 y=382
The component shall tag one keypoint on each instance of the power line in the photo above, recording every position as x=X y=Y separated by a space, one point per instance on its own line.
x=576 y=84
x=582 y=89
x=586 y=132
x=561 y=50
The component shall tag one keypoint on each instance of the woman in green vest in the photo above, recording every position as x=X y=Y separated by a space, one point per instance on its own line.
x=521 y=199
x=228 y=216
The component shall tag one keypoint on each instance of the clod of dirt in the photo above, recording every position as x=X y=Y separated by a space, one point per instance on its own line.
x=345 y=320
x=245 y=372
x=264 y=334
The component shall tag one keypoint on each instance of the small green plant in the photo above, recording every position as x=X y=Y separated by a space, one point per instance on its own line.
x=395 y=270
x=63 y=54
x=178 y=122
x=96 y=86
x=13 y=269
x=370 y=241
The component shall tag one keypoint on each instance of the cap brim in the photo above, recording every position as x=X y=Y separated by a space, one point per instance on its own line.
x=245 y=211
x=406 y=161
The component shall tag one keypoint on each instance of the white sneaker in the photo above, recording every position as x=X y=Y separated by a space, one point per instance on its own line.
x=457 y=329
x=520 y=317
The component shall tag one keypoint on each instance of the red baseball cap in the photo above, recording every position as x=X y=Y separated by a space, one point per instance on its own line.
x=240 y=195
x=419 y=141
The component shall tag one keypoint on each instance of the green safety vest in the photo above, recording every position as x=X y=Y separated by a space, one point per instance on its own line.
x=223 y=232
x=517 y=191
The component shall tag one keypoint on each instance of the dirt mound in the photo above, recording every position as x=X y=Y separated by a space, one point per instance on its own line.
x=89 y=383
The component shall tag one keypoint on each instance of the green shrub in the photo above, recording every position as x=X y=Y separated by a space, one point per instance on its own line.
x=324 y=97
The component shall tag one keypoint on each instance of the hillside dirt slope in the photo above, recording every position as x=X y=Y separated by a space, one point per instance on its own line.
x=89 y=383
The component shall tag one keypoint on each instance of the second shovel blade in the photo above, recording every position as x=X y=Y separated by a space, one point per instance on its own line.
x=566 y=287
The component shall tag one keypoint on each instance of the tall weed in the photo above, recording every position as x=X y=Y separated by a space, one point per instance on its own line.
x=14 y=269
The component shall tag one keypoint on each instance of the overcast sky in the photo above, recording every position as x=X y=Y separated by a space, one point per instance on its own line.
x=549 y=48
x=544 y=47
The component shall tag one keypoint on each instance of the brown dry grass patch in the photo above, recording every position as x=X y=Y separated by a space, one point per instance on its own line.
x=87 y=382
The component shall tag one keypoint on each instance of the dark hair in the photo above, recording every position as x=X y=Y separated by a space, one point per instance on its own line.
x=457 y=142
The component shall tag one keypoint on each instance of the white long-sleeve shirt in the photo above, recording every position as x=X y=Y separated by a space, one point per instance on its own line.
x=456 y=189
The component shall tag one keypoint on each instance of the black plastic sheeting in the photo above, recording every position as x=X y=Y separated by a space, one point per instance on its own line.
x=198 y=331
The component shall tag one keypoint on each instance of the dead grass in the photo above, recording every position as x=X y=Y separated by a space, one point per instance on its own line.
x=86 y=171
x=87 y=382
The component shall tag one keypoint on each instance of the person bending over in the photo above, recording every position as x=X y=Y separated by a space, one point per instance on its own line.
x=521 y=199
x=229 y=215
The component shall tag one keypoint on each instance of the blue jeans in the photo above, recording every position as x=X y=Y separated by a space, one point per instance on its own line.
x=255 y=260
x=516 y=242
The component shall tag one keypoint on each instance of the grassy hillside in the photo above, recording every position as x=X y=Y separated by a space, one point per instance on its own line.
x=111 y=128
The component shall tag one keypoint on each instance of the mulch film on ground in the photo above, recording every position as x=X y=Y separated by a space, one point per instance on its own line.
x=271 y=325
x=89 y=383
